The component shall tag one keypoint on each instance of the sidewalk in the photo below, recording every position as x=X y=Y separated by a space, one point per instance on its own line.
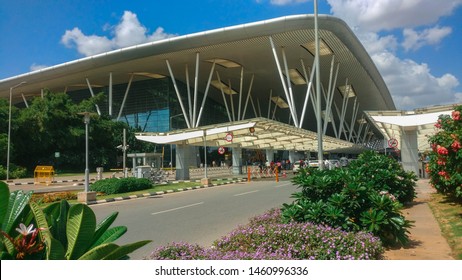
x=427 y=242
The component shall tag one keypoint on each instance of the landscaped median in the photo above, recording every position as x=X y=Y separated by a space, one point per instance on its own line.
x=110 y=190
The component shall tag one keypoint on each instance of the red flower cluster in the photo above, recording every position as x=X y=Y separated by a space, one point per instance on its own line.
x=456 y=146
x=444 y=174
x=442 y=150
x=438 y=124
x=456 y=115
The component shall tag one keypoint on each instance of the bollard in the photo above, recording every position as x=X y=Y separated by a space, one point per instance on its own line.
x=277 y=173
x=248 y=174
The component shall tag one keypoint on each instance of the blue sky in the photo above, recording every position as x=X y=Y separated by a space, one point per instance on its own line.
x=414 y=43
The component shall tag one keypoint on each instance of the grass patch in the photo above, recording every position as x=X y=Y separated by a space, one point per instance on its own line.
x=154 y=189
x=448 y=213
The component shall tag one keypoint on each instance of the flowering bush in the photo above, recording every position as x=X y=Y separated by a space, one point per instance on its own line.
x=445 y=165
x=266 y=238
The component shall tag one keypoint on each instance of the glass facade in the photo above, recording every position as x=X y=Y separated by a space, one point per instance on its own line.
x=152 y=105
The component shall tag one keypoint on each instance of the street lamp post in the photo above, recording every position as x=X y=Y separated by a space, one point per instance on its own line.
x=86 y=196
x=9 y=130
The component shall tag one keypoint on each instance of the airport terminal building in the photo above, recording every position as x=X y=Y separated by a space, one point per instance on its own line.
x=250 y=86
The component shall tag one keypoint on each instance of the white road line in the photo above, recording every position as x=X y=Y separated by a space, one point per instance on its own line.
x=282 y=185
x=239 y=194
x=178 y=208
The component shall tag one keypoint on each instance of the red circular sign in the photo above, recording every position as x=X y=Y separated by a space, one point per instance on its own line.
x=221 y=150
x=392 y=143
x=229 y=137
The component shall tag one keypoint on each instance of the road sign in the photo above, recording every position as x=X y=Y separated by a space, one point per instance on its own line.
x=229 y=137
x=392 y=143
x=221 y=150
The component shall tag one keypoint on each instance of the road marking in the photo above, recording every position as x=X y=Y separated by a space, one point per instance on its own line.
x=178 y=208
x=282 y=185
x=239 y=194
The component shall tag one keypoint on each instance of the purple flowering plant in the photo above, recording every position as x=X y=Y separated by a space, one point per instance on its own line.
x=265 y=237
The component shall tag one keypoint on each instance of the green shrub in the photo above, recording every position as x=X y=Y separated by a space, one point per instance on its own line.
x=360 y=197
x=15 y=172
x=115 y=185
x=385 y=174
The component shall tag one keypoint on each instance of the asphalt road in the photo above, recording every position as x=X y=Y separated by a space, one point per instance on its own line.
x=197 y=216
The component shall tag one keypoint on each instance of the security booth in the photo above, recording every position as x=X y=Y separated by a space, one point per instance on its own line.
x=44 y=174
x=145 y=160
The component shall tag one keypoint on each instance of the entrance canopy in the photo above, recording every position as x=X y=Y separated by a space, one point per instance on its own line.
x=256 y=133
x=393 y=123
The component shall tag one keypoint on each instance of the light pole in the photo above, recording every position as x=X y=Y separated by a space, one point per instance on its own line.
x=87 y=195
x=9 y=130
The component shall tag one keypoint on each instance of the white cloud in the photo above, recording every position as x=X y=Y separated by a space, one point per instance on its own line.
x=380 y=15
x=411 y=83
x=128 y=32
x=36 y=67
x=286 y=2
x=414 y=40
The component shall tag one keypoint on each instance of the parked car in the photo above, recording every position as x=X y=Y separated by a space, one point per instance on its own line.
x=313 y=163
x=296 y=167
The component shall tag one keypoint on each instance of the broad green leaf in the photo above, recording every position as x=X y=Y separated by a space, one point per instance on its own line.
x=17 y=202
x=103 y=226
x=81 y=225
x=54 y=249
x=124 y=250
x=110 y=235
x=99 y=252
x=4 y=196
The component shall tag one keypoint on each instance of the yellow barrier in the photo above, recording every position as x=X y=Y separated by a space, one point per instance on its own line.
x=44 y=174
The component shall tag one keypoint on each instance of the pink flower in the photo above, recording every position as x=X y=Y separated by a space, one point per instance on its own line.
x=456 y=115
x=441 y=162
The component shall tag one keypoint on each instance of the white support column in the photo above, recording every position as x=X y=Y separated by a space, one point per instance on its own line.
x=248 y=96
x=366 y=131
x=353 y=118
x=125 y=96
x=205 y=94
x=185 y=157
x=308 y=89
x=410 y=149
x=25 y=100
x=224 y=99
x=269 y=155
x=281 y=76
x=344 y=107
x=93 y=95
x=253 y=106
x=110 y=95
x=178 y=94
x=237 y=160
x=240 y=94
x=289 y=84
x=330 y=93
x=259 y=109
x=269 y=103
x=188 y=86
x=196 y=85
x=232 y=101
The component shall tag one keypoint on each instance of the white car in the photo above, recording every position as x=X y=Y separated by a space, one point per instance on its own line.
x=313 y=163
x=296 y=167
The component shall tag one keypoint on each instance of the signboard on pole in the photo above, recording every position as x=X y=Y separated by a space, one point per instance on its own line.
x=221 y=150
x=392 y=143
x=229 y=137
